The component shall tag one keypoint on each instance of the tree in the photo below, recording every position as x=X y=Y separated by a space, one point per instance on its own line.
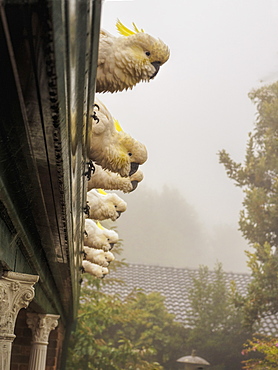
x=258 y=177
x=266 y=351
x=115 y=334
x=216 y=326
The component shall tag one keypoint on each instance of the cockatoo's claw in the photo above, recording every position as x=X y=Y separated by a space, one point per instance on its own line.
x=87 y=209
x=95 y=117
x=91 y=169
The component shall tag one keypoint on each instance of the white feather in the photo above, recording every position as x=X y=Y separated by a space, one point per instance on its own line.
x=94 y=269
x=99 y=238
x=103 y=207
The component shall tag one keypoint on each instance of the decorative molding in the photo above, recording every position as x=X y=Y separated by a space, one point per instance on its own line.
x=41 y=325
x=51 y=73
x=16 y=292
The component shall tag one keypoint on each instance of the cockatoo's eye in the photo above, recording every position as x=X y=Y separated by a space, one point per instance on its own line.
x=130 y=154
x=147 y=53
x=115 y=206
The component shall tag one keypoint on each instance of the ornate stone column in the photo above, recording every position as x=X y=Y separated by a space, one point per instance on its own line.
x=16 y=292
x=41 y=325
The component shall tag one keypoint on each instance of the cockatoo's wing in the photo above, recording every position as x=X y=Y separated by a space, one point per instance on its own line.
x=105 y=46
x=104 y=33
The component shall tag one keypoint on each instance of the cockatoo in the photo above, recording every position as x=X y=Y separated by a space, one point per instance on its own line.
x=94 y=269
x=98 y=256
x=126 y=60
x=103 y=206
x=109 y=256
x=97 y=236
x=95 y=256
x=111 y=147
x=108 y=180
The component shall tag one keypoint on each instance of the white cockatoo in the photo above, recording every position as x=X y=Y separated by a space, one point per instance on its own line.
x=95 y=256
x=94 y=269
x=126 y=60
x=108 y=180
x=97 y=236
x=111 y=147
x=103 y=206
x=109 y=256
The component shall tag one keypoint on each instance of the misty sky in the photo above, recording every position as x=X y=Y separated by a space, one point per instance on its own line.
x=198 y=103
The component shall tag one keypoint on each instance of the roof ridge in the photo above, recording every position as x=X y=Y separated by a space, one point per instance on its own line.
x=184 y=268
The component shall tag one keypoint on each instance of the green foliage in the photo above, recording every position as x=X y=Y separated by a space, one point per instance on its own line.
x=265 y=349
x=258 y=177
x=139 y=333
x=216 y=330
x=115 y=334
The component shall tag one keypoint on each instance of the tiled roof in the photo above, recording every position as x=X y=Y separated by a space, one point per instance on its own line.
x=174 y=284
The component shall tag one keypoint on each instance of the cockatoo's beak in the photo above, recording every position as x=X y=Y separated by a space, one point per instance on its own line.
x=133 y=168
x=111 y=245
x=119 y=214
x=156 y=66
x=134 y=184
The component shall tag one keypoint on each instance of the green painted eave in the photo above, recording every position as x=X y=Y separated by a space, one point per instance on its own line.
x=48 y=68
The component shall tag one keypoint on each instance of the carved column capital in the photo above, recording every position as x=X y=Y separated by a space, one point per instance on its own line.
x=41 y=325
x=16 y=292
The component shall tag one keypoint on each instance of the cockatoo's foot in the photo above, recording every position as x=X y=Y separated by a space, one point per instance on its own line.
x=84 y=253
x=87 y=210
x=91 y=169
x=94 y=115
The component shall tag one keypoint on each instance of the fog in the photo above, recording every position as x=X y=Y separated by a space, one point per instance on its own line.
x=161 y=228
x=197 y=105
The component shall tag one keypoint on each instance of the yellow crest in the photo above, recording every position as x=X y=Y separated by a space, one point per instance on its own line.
x=117 y=125
x=101 y=191
x=123 y=30
x=99 y=225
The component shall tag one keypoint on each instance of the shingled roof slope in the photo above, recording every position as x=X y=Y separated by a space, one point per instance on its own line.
x=174 y=284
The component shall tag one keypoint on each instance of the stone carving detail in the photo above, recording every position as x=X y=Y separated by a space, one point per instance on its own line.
x=16 y=292
x=41 y=325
